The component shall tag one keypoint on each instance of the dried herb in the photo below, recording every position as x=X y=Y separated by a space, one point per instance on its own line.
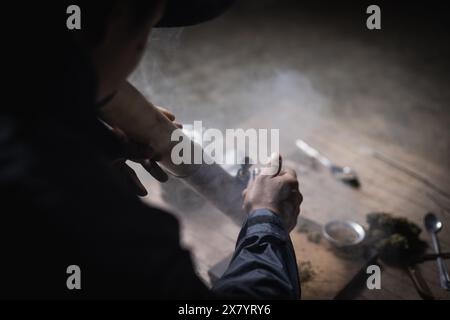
x=314 y=236
x=395 y=238
x=306 y=271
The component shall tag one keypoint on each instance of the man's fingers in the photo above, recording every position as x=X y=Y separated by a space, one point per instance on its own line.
x=140 y=153
x=290 y=178
x=169 y=115
x=296 y=197
x=155 y=170
x=178 y=125
x=274 y=168
x=143 y=152
x=120 y=134
x=134 y=181
x=289 y=171
x=295 y=200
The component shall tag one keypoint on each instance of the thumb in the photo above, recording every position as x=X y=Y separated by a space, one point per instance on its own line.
x=274 y=167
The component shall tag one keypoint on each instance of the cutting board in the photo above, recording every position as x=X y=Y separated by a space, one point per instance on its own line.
x=333 y=270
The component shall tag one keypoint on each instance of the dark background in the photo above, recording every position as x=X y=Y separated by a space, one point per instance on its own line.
x=309 y=61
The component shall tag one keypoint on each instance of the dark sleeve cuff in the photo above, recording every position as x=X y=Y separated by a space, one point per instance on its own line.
x=264 y=221
x=264 y=265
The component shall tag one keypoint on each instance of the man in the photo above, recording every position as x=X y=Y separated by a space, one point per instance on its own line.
x=62 y=204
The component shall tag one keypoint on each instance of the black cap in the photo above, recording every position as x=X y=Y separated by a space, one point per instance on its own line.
x=181 y=13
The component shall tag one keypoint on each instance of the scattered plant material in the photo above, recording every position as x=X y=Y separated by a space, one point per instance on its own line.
x=306 y=271
x=312 y=235
x=395 y=238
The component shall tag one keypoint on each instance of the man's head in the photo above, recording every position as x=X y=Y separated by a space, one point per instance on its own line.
x=114 y=35
x=115 y=32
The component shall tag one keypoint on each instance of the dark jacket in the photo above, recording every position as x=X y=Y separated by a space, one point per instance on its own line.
x=61 y=206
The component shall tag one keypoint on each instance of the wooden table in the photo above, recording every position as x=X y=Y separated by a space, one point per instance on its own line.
x=211 y=236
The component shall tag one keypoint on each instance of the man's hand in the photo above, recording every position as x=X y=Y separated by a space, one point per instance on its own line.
x=141 y=154
x=279 y=194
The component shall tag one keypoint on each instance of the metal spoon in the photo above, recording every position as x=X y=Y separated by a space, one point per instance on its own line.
x=433 y=226
x=344 y=174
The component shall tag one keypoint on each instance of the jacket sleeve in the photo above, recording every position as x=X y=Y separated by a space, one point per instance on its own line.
x=264 y=265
